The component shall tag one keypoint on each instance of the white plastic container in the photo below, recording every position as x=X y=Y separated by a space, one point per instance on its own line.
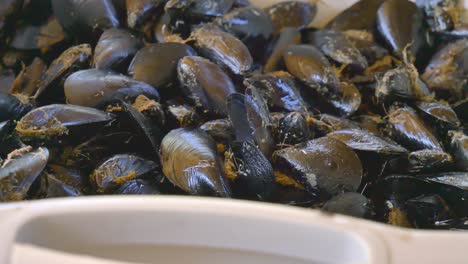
x=183 y=230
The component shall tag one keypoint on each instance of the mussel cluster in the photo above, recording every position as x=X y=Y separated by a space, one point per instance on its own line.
x=364 y=117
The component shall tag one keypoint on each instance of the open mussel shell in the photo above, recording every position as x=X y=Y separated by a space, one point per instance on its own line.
x=93 y=87
x=337 y=46
x=205 y=84
x=251 y=25
x=45 y=36
x=250 y=171
x=222 y=48
x=366 y=141
x=115 y=49
x=55 y=120
x=293 y=129
x=400 y=23
x=72 y=59
x=325 y=167
x=288 y=36
x=190 y=161
x=13 y=107
x=156 y=64
x=26 y=81
x=459 y=148
x=140 y=11
x=439 y=114
x=138 y=187
x=446 y=74
x=294 y=14
x=350 y=203
x=250 y=118
x=119 y=169
x=85 y=17
x=279 y=90
x=408 y=129
x=19 y=171
x=310 y=65
x=359 y=16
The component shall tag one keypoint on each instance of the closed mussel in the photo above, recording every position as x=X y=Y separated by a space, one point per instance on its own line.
x=190 y=161
x=325 y=167
x=119 y=169
x=93 y=87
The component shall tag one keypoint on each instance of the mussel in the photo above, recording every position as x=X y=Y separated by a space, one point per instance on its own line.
x=295 y=14
x=190 y=161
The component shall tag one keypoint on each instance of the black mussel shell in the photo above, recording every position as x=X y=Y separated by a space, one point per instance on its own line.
x=190 y=161
x=138 y=187
x=181 y=115
x=251 y=25
x=156 y=64
x=222 y=48
x=45 y=36
x=19 y=171
x=56 y=188
x=119 y=169
x=151 y=109
x=205 y=84
x=68 y=176
x=460 y=224
x=310 y=65
x=140 y=11
x=13 y=107
x=8 y=10
x=220 y=130
x=360 y=16
x=456 y=179
x=400 y=23
x=57 y=119
x=293 y=129
x=198 y=9
x=250 y=118
x=461 y=109
x=26 y=82
x=7 y=77
x=408 y=129
x=279 y=90
x=459 y=149
x=83 y=17
x=350 y=203
x=6 y=127
x=251 y=172
x=288 y=36
x=401 y=84
x=428 y=160
x=93 y=87
x=426 y=210
x=295 y=14
x=72 y=59
x=346 y=101
x=325 y=167
x=115 y=49
x=337 y=46
x=446 y=74
x=439 y=114
x=372 y=123
x=148 y=133
x=365 y=44
x=366 y=141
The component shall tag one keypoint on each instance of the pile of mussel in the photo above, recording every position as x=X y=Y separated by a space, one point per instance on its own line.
x=365 y=117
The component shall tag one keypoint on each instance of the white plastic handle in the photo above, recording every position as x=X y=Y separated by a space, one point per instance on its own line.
x=146 y=229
